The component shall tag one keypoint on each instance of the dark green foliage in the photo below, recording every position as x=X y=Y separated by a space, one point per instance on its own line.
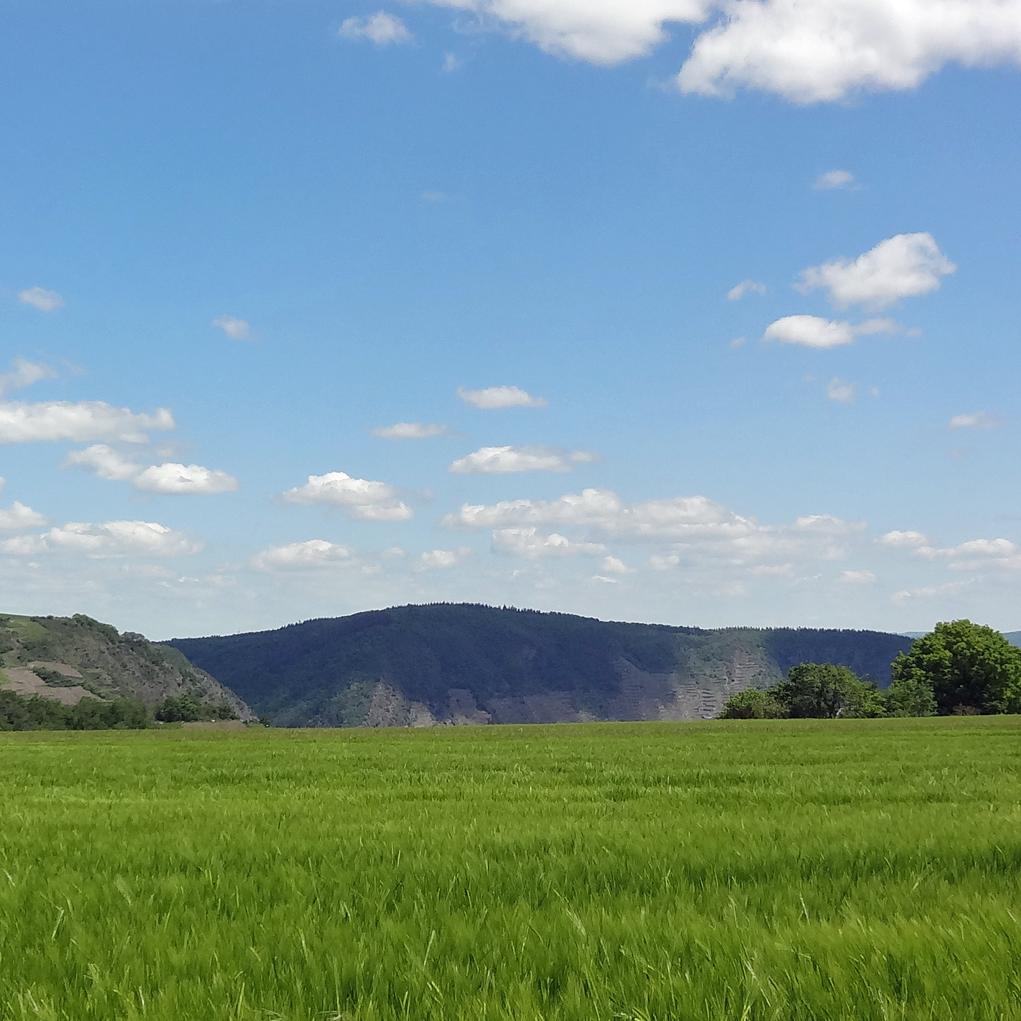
x=189 y=708
x=294 y=675
x=753 y=704
x=909 y=696
x=967 y=667
x=34 y=713
x=824 y=691
x=820 y=691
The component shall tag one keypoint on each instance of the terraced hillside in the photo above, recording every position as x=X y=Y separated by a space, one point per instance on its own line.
x=441 y=664
x=70 y=658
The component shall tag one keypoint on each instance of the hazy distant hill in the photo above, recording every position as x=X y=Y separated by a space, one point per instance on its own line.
x=1014 y=638
x=71 y=658
x=420 y=665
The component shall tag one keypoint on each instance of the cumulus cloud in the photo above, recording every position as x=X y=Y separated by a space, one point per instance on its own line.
x=88 y=420
x=812 y=51
x=532 y=544
x=361 y=498
x=834 y=180
x=109 y=539
x=381 y=29
x=506 y=460
x=409 y=431
x=974 y=420
x=817 y=332
x=746 y=287
x=841 y=392
x=169 y=477
x=598 y=31
x=903 y=540
x=442 y=559
x=302 y=556
x=975 y=554
x=23 y=373
x=184 y=478
x=104 y=461
x=496 y=397
x=903 y=266
x=19 y=517
x=40 y=298
x=614 y=565
x=236 y=329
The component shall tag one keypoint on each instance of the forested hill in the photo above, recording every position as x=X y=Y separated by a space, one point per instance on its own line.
x=421 y=665
x=67 y=659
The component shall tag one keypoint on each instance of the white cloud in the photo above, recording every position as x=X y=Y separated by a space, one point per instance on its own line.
x=22 y=374
x=184 y=478
x=381 y=28
x=857 y=578
x=903 y=266
x=598 y=31
x=236 y=329
x=170 y=477
x=106 y=462
x=841 y=392
x=614 y=565
x=40 y=298
x=451 y=63
x=89 y=420
x=746 y=287
x=300 y=556
x=361 y=498
x=505 y=460
x=930 y=592
x=903 y=540
x=812 y=51
x=834 y=180
x=974 y=420
x=495 y=397
x=409 y=431
x=814 y=331
x=19 y=517
x=109 y=539
x=975 y=554
x=531 y=544
x=810 y=331
x=442 y=559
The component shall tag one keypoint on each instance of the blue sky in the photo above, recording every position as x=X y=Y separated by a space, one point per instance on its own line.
x=274 y=229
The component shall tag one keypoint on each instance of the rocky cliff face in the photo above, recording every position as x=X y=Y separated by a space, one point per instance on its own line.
x=71 y=658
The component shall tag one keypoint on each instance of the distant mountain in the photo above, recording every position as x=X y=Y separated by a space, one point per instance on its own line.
x=423 y=665
x=70 y=658
x=1014 y=637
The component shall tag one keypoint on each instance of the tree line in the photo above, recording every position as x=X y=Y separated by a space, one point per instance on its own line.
x=33 y=712
x=960 y=668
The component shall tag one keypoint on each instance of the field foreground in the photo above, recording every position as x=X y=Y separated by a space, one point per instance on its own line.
x=775 y=870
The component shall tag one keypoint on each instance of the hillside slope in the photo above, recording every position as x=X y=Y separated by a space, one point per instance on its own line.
x=1015 y=638
x=71 y=658
x=421 y=665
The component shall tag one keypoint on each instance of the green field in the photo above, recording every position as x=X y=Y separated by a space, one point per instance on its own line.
x=787 y=870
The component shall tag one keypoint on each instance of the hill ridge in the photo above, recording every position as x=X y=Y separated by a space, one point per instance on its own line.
x=468 y=662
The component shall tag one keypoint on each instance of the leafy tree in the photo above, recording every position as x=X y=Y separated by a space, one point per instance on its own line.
x=967 y=667
x=752 y=704
x=910 y=696
x=825 y=691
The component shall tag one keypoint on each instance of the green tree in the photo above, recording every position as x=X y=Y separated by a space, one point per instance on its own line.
x=825 y=691
x=910 y=696
x=968 y=668
x=752 y=704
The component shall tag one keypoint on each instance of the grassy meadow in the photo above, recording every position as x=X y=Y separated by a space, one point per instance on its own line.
x=775 y=870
